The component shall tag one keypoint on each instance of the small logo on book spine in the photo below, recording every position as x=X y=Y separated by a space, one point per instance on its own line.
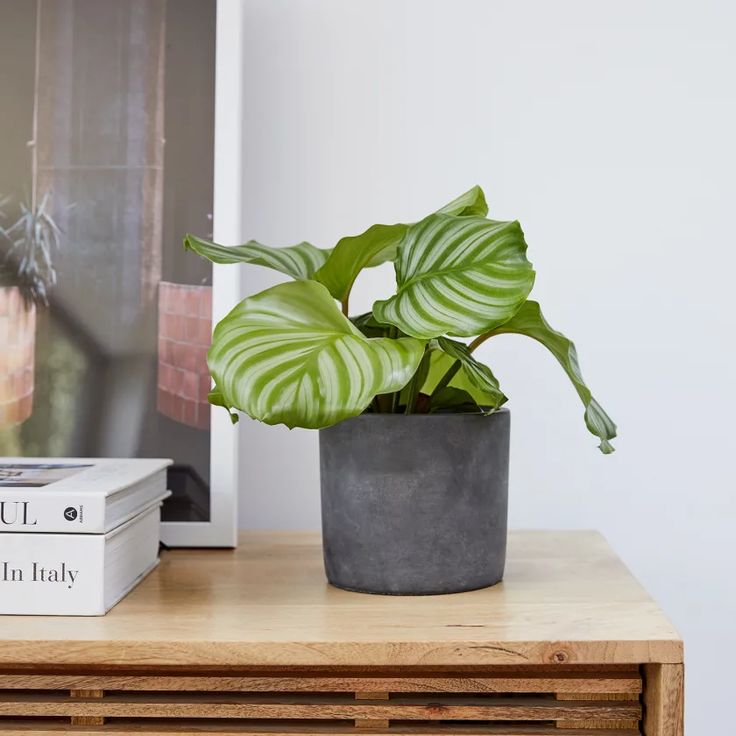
x=70 y=513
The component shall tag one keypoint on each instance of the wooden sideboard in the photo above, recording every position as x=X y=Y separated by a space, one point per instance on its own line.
x=254 y=641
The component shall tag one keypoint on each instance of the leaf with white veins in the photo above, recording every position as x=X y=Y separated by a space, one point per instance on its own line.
x=298 y=261
x=458 y=276
x=530 y=321
x=288 y=356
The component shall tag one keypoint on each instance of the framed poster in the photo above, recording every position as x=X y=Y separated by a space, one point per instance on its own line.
x=105 y=320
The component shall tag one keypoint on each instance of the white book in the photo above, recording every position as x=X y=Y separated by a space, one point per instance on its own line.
x=77 y=574
x=76 y=495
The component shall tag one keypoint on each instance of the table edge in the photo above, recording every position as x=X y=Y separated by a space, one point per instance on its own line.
x=317 y=654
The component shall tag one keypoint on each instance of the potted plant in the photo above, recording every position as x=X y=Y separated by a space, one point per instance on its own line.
x=26 y=275
x=414 y=442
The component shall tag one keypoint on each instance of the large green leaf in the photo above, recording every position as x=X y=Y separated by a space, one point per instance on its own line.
x=298 y=261
x=458 y=275
x=288 y=356
x=379 y=244
x=530 y=321
x=452 y=366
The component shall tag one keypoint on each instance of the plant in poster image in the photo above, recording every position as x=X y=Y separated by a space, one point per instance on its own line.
x=27 y=246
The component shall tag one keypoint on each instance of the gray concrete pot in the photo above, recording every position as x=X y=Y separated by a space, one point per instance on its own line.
x=415 y=505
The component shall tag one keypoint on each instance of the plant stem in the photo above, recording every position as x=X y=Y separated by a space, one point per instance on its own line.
x=383 y=404
x=344 y=305
x=415 y=384
x=393 y=333
x=455 y=367
x=480 y=340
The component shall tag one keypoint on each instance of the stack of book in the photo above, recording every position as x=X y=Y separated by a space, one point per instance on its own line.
x=76 y=535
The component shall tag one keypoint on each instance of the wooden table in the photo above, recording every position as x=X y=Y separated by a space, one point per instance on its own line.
x=254 y=641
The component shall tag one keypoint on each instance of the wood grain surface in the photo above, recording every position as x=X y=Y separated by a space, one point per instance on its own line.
x=230 y=728
x=245 y=706
x=664 y=700
x=566 y=599
x=578 y=686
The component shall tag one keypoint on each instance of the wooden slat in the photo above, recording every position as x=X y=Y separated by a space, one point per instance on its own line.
x=373 y=723
x=597 y=696
x=331 y=671
x=598 y=724
x=234 y=706
x=617 y=726
x=86 y=720
x=527 y=683
x=664 y=700
x=200 y=728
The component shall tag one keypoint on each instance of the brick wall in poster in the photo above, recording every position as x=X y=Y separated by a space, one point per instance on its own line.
x=184 y=336
x=18 y=340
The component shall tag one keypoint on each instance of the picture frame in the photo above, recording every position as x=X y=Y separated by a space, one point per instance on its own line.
x=221 y=530
x=106 y=343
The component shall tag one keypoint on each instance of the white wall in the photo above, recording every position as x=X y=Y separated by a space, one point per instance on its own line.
x=607 y=128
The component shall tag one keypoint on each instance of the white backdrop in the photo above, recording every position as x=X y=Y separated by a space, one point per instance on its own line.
x=607 y=129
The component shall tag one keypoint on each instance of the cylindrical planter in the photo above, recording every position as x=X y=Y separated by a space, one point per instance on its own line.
x=18 y=341
x=417 y=504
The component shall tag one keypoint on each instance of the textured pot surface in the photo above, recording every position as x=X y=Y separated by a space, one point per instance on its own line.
x=415 y=505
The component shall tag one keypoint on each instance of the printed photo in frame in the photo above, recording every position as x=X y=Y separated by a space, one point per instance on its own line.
x=109 y=159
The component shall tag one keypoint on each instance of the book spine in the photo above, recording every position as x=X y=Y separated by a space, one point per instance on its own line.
x=52 y=574
x=41 y=512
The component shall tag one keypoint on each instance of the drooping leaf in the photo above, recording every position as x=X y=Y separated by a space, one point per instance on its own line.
x=530 y=321
x=379 y=244
x=298 y=261
x=458 y=275
x=352 y=254
x=465 y=373
x=289 y=356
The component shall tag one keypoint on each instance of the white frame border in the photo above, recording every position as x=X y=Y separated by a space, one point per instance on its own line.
x=221 y=530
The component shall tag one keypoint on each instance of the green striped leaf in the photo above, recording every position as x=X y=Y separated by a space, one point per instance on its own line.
x=288 y=356
x=298 y=261
x=458 y=275
x=453 y=366
x=379 y=244
x=530 y=321
x=472 y=202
